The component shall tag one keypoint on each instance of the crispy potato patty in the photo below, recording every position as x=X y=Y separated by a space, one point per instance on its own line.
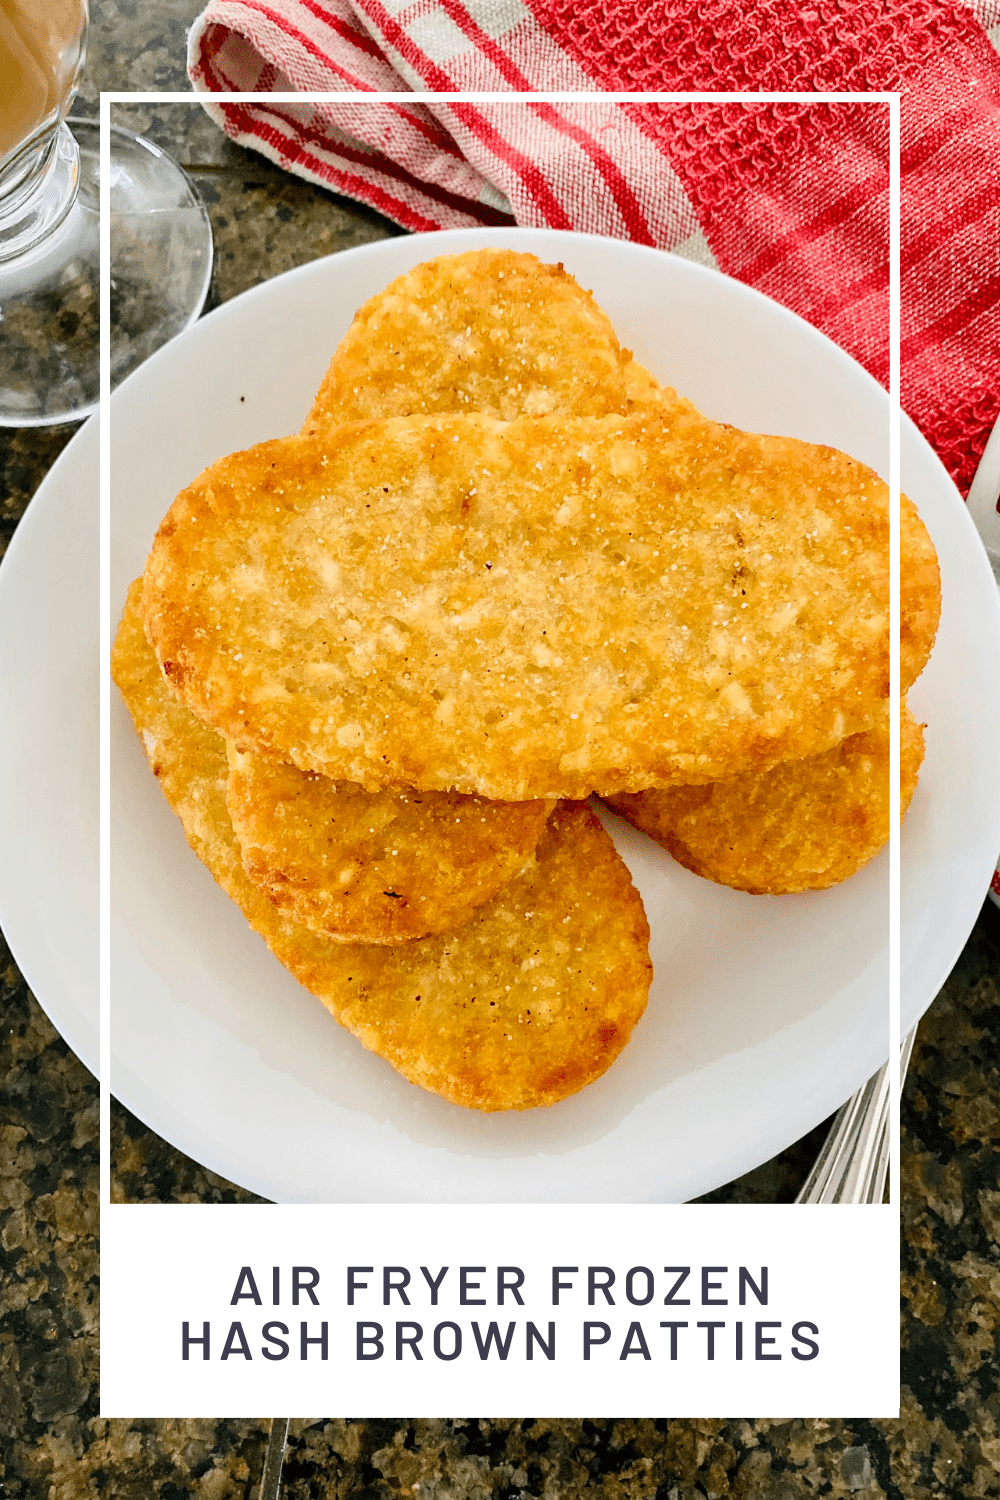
x=490 y=331
x=803 y=826
x=528 y=1002
x=373 y=867
x=534 y=609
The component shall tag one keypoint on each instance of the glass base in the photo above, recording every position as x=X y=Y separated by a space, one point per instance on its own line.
x=161 y=266
x=161 y=251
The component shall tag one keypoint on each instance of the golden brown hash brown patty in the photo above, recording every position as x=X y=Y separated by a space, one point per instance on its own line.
x=373 y=867
x=803 y=826
x=527 y=610
x=491 y=331
x=531 y=1000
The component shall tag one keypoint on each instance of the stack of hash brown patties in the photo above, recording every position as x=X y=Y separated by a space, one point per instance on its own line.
x=377 y=668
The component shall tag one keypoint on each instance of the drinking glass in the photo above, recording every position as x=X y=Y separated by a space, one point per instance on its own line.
x=161 y=242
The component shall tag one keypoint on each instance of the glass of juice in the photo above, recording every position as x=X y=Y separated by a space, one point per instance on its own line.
x=41 y=51
x=161 y=244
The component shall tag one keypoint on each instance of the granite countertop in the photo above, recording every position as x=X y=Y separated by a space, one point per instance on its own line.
x=946 y=1441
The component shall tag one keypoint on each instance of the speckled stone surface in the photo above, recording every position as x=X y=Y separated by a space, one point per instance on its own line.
x=53 y=1446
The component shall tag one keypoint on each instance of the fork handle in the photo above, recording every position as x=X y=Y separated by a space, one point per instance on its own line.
x=270 y=1481
x=854 y=1160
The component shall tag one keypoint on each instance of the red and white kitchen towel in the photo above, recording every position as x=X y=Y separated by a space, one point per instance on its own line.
x=789 y=198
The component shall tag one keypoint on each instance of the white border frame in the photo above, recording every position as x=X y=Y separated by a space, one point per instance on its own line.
x=107 y=101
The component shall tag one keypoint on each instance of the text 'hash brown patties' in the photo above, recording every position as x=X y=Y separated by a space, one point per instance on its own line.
x=803 y=826
x=490 y=331
x=373 y=867
x=525 y=610
x=527 y=1003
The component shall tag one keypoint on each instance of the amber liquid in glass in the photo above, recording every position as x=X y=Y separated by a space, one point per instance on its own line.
x=39 y=54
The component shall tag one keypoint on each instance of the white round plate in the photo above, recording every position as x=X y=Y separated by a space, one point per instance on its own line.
x=765 y=1013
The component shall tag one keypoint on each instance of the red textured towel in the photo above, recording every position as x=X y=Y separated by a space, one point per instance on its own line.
x=791 y=198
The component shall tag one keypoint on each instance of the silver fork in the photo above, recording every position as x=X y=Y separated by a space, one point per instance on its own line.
x=852 y=1166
